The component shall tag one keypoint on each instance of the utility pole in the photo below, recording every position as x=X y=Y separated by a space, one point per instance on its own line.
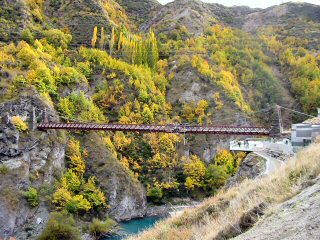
x=278 y=108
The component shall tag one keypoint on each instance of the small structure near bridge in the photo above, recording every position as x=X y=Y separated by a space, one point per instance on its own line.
x=261 y=144
x=303 y=134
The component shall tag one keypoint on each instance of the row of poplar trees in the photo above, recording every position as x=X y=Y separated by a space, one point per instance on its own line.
x=134 y=49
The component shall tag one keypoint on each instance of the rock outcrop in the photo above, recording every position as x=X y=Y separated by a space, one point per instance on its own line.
x=251 y=167
x=126 y=196
x=27 y=159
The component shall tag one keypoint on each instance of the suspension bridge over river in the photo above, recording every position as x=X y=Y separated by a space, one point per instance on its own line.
x=168 y=128
x=275 y=129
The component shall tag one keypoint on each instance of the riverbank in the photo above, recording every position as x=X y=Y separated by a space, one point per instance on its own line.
x=239 y=206
x=153 y=215
x=170 y=209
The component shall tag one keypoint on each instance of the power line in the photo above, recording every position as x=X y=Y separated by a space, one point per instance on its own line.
x=297 y=112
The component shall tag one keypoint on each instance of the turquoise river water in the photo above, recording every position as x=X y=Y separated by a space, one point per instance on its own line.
x=133 y=227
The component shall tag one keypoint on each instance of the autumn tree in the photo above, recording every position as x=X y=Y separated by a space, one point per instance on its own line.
x=102 y=39
x=194 y=170
x=224 y=158
x=94 y=37
x=112 y=41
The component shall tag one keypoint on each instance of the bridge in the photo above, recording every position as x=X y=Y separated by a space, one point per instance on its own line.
x=276 y=128
x=168 y=128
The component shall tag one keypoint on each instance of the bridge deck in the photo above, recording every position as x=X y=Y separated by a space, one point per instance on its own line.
x=169 y=128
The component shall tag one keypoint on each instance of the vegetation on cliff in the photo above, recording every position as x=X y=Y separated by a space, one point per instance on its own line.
x=93 y=65
x=238 y=208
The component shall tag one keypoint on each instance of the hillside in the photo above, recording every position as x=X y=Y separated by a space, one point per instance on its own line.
x=142 y=63
x=139 y=11
x=282 y=206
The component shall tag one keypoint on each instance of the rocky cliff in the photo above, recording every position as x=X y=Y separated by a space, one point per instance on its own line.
x=126 y=196
x=251 y=167
x=37 y=159
x=31 y=158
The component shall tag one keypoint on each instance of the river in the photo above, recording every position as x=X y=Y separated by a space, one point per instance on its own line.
x=134 y=226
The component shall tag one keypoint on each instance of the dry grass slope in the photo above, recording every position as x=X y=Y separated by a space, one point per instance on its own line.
x=232 y=212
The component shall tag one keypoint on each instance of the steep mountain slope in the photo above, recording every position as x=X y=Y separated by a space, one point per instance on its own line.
x=15 y=16
x=139 y=10
x=80 y=17
x=85 y=60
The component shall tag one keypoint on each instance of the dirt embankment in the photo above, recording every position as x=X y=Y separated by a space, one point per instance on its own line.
x=297 y=218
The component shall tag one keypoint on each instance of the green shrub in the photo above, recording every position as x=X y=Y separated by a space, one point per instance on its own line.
x=26 y=54
x=3 y=169
x=84 y=68
x=58 y=38
x=40 y=76
x=32 y=196
x=77 y=105
x=78 y=204
x=215 y=177
x=27 y=36
x=155 y=194
x=69 y=75
x=61 y=225
x=99 y=228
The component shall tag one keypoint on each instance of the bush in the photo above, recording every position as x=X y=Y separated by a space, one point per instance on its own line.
x=19 y=124
x=215 y=177
x=69 y=75
x=94 y=195
x=84 y=68
x=76 y=105
x=155 y=194
x=26 y=54
x=27 y=36
x=78 y=204
x=61 y=225
x=61 y=197
x=58 y=38
x=40 y=76
x=32 y=196
x=3 y=169
x=99 y=228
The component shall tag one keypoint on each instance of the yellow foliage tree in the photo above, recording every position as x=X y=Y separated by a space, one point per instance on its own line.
x=189 y=184
x=94 y=37
x=19 y=124
x=77 y=164
x=225 y=158
x=102 y=39
x=61 y=197
x=195 y=169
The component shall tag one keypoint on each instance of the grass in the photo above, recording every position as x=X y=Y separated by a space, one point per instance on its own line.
x=99 y=228
x=234 y=211
x=62 y=226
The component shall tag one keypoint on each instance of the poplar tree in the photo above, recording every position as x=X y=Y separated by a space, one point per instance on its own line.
x=94 y=37
x=102 y=39
x=112 y=41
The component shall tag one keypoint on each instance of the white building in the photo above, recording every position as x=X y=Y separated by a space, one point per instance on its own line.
x=304 y=133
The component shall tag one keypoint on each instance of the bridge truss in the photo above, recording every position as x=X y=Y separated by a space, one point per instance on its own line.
x=169 y=128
